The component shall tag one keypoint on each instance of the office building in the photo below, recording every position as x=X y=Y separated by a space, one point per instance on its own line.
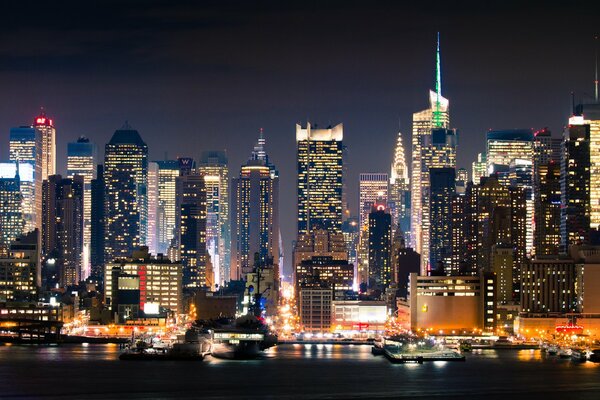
x=168 y=171
x=321 y=243
x=25 y=147
x=479 y=168
x=47 y=133
x=590 y=113
x=548 y=285
x=20 y=269
x=325 y=272
x=213 y=167
x=160 y=280
x=62 y=226
x=152 y=201
x=405 y=262
x=435 y=117
x=255 y=214
x=190 y=240
x=575 y=184
x=315 y=309
x=399 y=190
x=504 y=146
x=82 y=158
x=11 y=212
x=97 y=225
x=319 y=153
x=380 y=247
x=350 y=231
x=547 y=209
x=456 y=304
x=442 y=190
x=126 y=180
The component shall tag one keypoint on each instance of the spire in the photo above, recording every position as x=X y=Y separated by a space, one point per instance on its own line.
x=437 y=113
x=438 y=69
x=259 y=149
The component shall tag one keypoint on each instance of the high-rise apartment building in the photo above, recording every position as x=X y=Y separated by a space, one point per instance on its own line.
x=575 y=179
x=213 y=167
x=82 y=158
x=126 y=180
x=62 y=226
x=319 y=178
x=255 y=214
x=26 y=147
x=435 y=117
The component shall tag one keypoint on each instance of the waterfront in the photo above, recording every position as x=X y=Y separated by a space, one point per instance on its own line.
x=290 y=371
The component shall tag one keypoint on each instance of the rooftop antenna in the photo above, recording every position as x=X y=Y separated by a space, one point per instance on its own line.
x=573 y=102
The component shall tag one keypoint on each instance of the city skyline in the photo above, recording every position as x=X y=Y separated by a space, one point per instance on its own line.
x=87 y=96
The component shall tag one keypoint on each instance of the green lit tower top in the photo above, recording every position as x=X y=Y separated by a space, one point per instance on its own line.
x=437 y=110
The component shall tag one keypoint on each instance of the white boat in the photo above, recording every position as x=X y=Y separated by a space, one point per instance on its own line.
x=552 y=350
x=580 y=355
x=564 y=352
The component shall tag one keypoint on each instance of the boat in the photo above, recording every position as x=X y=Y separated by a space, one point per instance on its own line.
x=192 y=346
x=465 y=346
x=248 y=337
x=595 y=355
x=552 y=350
x=579 y=354
x=377 y=349
x=564 y=352
x=407 y=349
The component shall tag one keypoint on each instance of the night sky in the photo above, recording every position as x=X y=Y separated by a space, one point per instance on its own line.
x=192 y=76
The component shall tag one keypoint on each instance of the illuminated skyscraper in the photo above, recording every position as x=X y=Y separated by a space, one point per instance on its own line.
x=98 y=225
x=575 y=184
x=399 y=192
x=26 y=147
x=479 y=168
x=424 y=122
x=514 y=147
x=11 y=212
x=190 y=239
x=168 y=171
x=255 y=211
x=443 y=184
x=82 y=158
x=126 y=179
x=45 y=126
x=62 y=226
x=319 y=178
x=591 y=116
x=8 y=170
x=547 y=209
x=213 y=167
x=379 y=247
x=153 y=211
x=373 y=187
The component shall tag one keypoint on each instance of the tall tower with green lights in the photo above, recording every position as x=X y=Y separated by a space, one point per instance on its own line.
x=429 y=153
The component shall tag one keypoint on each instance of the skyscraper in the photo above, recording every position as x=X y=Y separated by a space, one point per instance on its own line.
x=153 y=208
x=62 y=226
x=20 y=269
x=479 y=168
x=82 y=157
x=255 y=214
x=98 y=225
x=379 y=247
x=373 y=188
x=11 y=212
x=547 y=209
x=213 y=167
x=126 y=179
x=442 y=190
x=319 y=178
x=591 y=117
x=575 y=184
x=47 y=132
x=399 y=190
x=191 y=230
x=26 y=147
x=435 y=117
x=168 y=171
